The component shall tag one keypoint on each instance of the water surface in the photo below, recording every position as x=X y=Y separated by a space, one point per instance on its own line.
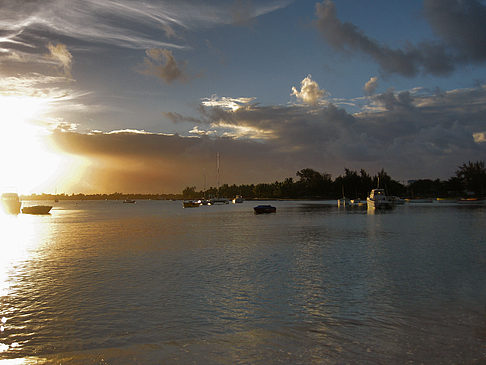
x=112 y=283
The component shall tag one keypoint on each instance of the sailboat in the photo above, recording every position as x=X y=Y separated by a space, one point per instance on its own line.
x=343 y=202
x=218 y=200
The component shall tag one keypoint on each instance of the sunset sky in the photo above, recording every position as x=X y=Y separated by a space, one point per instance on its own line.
x=132 y=96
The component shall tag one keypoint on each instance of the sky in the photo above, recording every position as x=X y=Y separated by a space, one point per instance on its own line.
x=130 y=96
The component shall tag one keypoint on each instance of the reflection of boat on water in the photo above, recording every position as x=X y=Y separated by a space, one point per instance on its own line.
x=37 y=209
x=129 y=201
x=260 y=209
x=237 y=199
x=11 y=203
x=379 y=200
x=191 y=204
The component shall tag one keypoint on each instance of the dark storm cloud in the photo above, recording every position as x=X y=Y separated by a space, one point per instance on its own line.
x=460 y=24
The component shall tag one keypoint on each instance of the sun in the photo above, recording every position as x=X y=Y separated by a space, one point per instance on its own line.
x=27 y=163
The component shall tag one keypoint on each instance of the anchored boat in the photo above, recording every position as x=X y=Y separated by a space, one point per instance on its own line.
x=379 y=200
x=261 y=209
x=37 y=209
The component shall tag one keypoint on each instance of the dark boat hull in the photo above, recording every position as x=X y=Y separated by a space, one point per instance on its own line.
x=37 y=209
x=263 y=209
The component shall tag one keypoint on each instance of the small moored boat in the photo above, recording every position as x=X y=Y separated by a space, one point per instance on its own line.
x=260 y=209
x=343 y=202
x=215 y=201
x=191 y=204
x=237 y=199
x=37 y=209
x=471 y=201
x=130 y=201
x=357 y=203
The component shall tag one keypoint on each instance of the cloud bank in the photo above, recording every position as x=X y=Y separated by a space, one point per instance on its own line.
x=412 y=134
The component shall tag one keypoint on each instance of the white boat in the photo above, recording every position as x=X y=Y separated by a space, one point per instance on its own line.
x=379 y=200
x=237 y=199
x=129 y=201
x=11 y=203
x=37 y=209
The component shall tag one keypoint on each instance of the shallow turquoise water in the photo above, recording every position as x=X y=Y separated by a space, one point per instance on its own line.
x=106 y=282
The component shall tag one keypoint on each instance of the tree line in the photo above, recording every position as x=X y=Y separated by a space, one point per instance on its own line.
x=469 y=180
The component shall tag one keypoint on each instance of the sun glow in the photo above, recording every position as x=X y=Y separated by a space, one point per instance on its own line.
x=28 y=163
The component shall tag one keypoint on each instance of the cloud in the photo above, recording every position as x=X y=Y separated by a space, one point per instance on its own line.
x=162 y=64
x=121 y=23
x=479 y=137
x=151 y=162
x=243 y=12
x=371 y=85
x=410 y=133
x=61 y=54
x=309 y=91
x=459 y=24
x=226 y=102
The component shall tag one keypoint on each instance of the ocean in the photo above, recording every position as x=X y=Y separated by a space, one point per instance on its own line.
x=102 y=282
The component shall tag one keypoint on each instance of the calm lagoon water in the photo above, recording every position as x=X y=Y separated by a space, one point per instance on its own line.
x=102 y=282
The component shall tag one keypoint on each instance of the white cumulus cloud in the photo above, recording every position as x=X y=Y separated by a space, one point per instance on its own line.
x=309 y=93
x=371 y=85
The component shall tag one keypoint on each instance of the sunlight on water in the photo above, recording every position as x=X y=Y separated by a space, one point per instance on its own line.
x=21 y=236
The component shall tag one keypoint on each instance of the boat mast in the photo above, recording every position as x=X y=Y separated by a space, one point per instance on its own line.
x=217 y=171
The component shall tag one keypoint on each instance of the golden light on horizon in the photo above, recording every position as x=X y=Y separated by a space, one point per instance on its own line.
x=28 y=163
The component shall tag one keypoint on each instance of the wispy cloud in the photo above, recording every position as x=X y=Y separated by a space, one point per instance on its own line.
x=60 y=53
x=225 y=102
x=122 y=23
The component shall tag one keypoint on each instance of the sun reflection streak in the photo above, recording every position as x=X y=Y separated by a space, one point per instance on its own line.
x=21 y=237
